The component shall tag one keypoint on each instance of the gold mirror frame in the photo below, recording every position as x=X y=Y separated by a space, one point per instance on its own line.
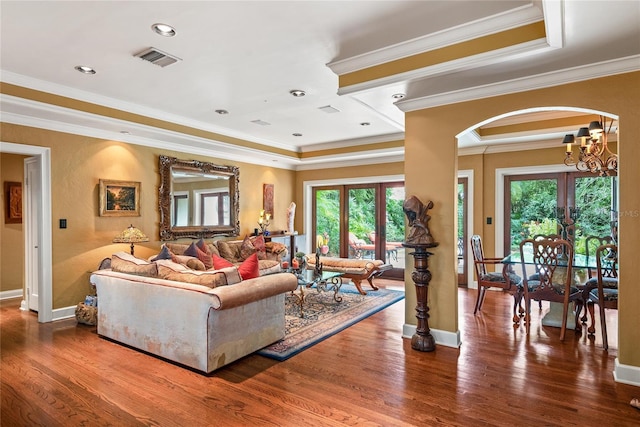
x=167 y=232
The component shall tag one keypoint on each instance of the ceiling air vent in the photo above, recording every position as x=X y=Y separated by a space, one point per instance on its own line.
x=157 y=57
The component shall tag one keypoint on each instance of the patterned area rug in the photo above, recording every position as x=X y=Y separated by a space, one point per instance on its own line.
x=324 y=317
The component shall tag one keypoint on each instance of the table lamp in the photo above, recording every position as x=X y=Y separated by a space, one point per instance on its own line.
x=131 y=235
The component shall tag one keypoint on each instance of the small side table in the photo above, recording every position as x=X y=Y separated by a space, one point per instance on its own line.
x=327 y=281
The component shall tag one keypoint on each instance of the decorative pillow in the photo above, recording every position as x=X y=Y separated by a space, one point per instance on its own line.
x=212 y=248
x=211 y=278
x=165 y=253
x=202 y=245
x=220 y=263
x=196 y=252
x=127 y=263
x=191 y=262
x=247 y=249
x=229 y=251
x=249 y=269
x=261 y=246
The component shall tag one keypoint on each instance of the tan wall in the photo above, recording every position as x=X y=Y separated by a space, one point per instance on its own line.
x=77 y=165
x=430 y=142
x=12 y=235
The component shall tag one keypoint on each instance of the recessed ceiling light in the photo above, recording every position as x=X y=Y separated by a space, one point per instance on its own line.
x=296 y=134
x=398 y=95
x=222 y=112
x=365 y=124
x=164 y=30
x=85 y=70
x=297 y=93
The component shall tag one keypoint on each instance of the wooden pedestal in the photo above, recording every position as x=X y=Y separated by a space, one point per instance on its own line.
x=422 y=340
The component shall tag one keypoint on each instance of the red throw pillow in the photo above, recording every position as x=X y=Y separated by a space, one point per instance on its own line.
x=249 y=269
x=219 y=263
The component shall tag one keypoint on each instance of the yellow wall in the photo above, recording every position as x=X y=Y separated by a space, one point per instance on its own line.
x=12 y=245
x=77 y=165
x=430 y=145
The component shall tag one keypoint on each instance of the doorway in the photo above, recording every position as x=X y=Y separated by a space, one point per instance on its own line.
x=41 y=226
x=363 y=221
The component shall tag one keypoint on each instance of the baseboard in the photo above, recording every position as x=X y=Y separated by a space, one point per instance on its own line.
x=445 y=338
x=63 y=313
x=14 y=293
x=626 y=374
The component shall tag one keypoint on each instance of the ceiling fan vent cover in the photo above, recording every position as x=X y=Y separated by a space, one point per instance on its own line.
x=157 y=57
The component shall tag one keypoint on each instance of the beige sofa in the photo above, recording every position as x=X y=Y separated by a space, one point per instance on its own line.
x=195 y=325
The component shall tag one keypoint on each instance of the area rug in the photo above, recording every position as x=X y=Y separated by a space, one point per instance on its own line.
x=324 y=317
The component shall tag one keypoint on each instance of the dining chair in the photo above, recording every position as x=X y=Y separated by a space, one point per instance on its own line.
x=505 y=280
x=591 y=245
x=603 y=289
x=552 y=259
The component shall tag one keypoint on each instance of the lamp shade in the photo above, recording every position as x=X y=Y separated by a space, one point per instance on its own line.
x=131 y=235
x=595 y=127
x=584 y=133
x=568 y=139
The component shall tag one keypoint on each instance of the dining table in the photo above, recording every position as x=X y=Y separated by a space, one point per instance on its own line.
x=580 y=264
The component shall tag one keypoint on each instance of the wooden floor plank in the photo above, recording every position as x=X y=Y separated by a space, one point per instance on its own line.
x=62 y=373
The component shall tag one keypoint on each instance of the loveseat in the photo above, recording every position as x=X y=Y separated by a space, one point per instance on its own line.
x=200 y=319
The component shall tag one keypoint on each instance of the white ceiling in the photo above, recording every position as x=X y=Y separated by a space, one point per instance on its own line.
x=246 y=56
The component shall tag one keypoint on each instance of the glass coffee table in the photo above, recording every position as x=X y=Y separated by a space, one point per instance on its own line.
x=326 y=281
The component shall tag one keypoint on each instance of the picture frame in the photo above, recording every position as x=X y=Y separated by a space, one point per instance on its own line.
x=119 y=198
x=267 y=198
x=13 y=210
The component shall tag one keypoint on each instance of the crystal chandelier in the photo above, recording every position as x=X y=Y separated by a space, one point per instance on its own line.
x=593 y=154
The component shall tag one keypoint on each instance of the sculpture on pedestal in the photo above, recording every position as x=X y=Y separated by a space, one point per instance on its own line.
x=420 y=239
x=291 y=213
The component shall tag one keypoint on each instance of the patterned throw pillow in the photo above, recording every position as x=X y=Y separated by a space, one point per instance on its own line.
x=230 y=252
x=127 y=263
x=196 y=252
x=202 y=245
x=247 y=249
x=261 y=246
x=210 y=278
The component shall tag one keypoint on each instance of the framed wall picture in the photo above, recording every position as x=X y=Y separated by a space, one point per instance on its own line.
x=119 y=198
x=13 y=199
x=267 y=199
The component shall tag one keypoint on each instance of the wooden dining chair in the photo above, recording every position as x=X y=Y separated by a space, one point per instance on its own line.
x=591 y=245
x=603 y=289
x=487 y=278
x=554 y=281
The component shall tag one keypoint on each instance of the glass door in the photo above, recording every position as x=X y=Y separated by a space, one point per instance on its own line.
x=363 y=221
x=463 y=238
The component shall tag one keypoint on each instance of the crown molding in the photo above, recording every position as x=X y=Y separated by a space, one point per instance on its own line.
x=92 y=98
x=353 y=142
x=517 y=17
x=469 y=62
x=554 y=78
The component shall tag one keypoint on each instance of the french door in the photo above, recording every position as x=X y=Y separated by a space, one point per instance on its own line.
x=463 y=238
x=587 y=207
x=361 y=221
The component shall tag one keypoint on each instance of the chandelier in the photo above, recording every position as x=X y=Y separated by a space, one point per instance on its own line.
x=593 y=154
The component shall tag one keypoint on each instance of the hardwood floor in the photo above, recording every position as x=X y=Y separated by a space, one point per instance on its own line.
x=63 y=374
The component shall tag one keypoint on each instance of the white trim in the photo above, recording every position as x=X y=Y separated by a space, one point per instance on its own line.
x=500 y=195
x=522 y=84
x=626 y=374
x=445 y=338
x=468 y=173
x=307 y=195
x=490 y=25
x=456 y=65
x=45 y=294
x=64 y=313
x=13 y=293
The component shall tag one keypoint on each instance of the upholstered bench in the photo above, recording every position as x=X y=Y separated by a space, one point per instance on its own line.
x=354 y=269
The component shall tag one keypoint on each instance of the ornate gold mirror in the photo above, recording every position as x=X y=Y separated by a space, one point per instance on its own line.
x=198 y=199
